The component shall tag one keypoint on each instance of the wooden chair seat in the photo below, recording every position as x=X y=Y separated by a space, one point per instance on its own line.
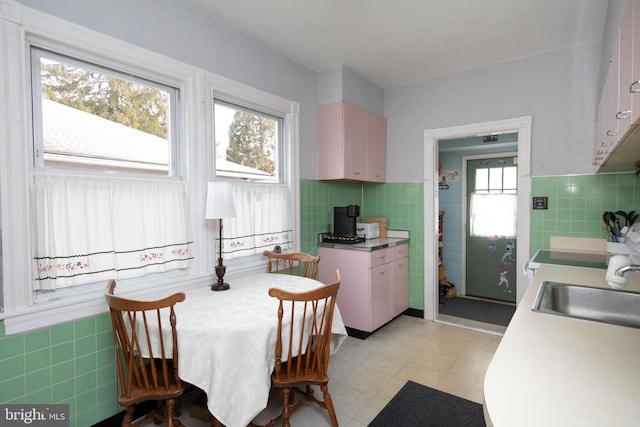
x=145 y=374
x=295 y=263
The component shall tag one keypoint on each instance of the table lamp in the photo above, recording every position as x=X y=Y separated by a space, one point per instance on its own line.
x=219 y=205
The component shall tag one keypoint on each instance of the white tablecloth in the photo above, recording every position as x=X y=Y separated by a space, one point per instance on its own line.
x=226 y=342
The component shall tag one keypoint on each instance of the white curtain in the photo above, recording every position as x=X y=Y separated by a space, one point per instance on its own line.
x=93 y=229
x=263 y=220
x=493 y=215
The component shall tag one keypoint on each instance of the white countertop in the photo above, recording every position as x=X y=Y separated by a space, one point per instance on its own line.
x=558 y=371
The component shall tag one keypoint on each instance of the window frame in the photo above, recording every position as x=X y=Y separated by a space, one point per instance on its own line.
x=229 y=91
x=39 y=49
x=18 y=24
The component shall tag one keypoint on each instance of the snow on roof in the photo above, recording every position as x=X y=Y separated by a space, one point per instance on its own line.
x=69 y=132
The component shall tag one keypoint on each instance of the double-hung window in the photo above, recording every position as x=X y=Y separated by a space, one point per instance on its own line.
x=104 y=170
x=107 y=198
x=254 y=151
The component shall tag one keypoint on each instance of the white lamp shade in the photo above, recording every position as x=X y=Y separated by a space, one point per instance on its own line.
x=219 y=201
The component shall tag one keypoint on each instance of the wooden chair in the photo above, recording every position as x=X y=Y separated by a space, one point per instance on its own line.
x=296 y=263
x=154 y=377
x=307 y=345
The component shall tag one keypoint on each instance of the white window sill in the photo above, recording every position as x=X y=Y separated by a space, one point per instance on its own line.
x=48 y=313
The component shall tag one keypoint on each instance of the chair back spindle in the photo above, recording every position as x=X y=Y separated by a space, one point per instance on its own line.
x=147 y=370
x=296 y=263
x=303 y=345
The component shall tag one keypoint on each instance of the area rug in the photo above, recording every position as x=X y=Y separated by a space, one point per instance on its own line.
x=416 y=405
x=479 y=310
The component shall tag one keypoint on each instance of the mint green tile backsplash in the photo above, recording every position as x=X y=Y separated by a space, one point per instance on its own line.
x=401 y=203
x=72 y=363
x=576 y=204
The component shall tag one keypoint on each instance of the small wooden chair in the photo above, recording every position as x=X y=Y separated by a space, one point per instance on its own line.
x=296 y=263
x=154 y=377
x=308 y=345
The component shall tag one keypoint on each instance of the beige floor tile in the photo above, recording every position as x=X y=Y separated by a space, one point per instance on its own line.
x=366 y=374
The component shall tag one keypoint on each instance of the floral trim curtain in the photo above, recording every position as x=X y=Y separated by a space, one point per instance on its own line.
x=493 y=215
x=263 y=220
x=93 y=229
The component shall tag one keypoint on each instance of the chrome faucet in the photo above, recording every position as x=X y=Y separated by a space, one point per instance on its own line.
x=624 y=269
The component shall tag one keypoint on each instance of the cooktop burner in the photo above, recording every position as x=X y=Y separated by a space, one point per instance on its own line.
x=345 y=240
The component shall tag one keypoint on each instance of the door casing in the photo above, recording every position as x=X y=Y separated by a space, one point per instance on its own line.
x=521 y=125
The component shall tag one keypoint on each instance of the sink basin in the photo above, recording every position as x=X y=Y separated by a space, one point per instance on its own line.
x=613 y=306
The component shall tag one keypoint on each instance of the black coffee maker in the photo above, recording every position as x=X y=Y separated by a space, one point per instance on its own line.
x=344 y=220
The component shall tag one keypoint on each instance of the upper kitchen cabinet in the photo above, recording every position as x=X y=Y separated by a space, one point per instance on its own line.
x=351 y=144
x=618 y=144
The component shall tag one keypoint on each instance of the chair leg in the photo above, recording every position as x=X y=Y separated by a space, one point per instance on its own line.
x=329 y=404
x=285 y=408
x=128 y=416
x=171 y=421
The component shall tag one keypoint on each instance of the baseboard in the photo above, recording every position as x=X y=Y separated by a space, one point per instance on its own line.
x=414 y=312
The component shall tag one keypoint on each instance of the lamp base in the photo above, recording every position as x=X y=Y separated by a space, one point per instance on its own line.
x=220 y=286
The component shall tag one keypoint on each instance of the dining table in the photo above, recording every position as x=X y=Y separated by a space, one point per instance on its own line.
x=226 y=342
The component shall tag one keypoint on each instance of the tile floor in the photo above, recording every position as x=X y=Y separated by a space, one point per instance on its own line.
x=366 y=374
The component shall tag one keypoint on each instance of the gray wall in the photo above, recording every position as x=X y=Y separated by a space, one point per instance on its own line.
x=558 y=89
x=178 y=30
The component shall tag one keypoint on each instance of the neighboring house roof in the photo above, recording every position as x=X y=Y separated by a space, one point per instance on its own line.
x=74 y=136
x=69 y=131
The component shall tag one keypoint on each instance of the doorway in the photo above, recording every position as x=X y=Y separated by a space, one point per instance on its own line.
x=521 y=126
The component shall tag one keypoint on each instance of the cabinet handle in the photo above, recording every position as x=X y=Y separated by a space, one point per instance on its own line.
x=623 y=114
x=612 y=132
x=632 y=89
x=383 y=272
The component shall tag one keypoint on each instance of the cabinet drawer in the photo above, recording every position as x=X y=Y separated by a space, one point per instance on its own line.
x=397 y=252
x=379 y=257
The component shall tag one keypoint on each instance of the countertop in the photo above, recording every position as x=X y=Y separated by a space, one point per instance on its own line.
x=367 y=245
x=558 y=371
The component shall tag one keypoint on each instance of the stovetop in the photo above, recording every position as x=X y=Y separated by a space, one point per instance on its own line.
x=345 y=240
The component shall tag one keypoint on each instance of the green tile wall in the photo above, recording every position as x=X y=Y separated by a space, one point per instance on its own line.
x=576 y=204
x=72 y=363
x=402 y=204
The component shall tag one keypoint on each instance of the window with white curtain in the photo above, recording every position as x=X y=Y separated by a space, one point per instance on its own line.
x=255 y=149
x=107 y=124
x=493 y=202
x=94 y=197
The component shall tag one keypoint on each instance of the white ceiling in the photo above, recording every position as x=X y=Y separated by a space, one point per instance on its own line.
x=396 y=42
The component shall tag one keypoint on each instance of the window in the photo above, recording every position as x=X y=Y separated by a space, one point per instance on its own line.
x=255 y=149
x=139 y=192
x=247 y=143
x=93 y=118
x=493 y=200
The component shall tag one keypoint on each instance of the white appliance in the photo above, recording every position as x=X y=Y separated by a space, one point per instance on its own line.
x=368 y=230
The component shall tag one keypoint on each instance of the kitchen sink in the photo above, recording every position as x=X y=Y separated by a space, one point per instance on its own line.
x=613 y=306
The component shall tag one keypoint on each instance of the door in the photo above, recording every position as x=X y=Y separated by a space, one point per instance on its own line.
x=491 y=227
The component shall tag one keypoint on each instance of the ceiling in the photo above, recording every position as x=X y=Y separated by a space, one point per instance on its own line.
x=396 y=42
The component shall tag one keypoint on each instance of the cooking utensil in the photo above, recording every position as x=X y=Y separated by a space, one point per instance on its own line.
x=616 y=225
x=606 y=218
x=632 y=216
x=624 y=215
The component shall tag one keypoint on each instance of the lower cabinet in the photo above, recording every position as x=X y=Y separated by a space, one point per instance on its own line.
x=374 y=287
